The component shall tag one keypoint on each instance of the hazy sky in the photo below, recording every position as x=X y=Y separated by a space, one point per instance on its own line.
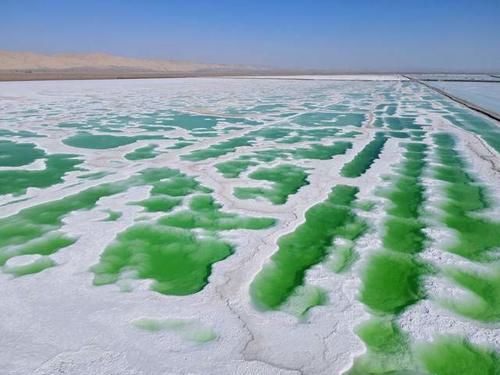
x=374 y=35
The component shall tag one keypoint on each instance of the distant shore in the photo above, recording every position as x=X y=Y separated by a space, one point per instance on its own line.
x=112 y=74
x=74 y=74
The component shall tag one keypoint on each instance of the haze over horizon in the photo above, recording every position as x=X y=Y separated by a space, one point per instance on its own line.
x=326 y=35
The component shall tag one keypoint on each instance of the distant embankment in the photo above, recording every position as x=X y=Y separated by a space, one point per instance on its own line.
x=15 y=66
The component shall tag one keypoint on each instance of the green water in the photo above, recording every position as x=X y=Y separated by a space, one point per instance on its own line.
x=159 y=203
x=484 y=305
x=98 y=141
x=94 y=175
x=35 y=230
x=453 y=355
x=391 y=282
x=485 y=128
x=56 y=167
x=391 y=279
x=303 y=299
x=177 y=261
x=321 y=152
x=398 y=134
x=342 y=257
x=274 y=132
x=402 y=123
x=36 y=266
x=294 y=134
x=113 y=215
x=330 y=118
x=219 y=149
x=477 y=237
x=287 y=180
x=170 y=191
x=169 y=252
x=388 y=349
x=146 y=152
x=306 y=246
x=205 y=213
x=180 y=144
x=233 y=168
x=200 y=122
x=19 y=134
x=190 y=330
x=365 y=158
x=14 y=154
x=404 y=229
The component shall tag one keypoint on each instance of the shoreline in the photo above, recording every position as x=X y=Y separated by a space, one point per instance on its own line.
x=112 y=74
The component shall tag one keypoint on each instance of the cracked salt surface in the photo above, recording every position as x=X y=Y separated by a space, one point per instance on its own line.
x=57 y=321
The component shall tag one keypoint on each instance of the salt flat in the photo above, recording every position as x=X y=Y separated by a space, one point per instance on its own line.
x=247 y=226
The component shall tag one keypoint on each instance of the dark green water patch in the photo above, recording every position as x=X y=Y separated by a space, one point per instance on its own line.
x=159 y=203
x=13 y=154
x=56 y=167
x=113 y=215
x=484 y=304
x=388 y=349
x=391 y=282
x=477 y=237
x=481 y=126
x=272 y=133
x=219 y=149
x=180 y=144
x=146 y=152
x=402 y=123
x=398 y=134
x=454 y=355
x=306 y=246
x=287 y=180
x=205 y=213
x=304 y=299
x=36 y=266
x=168 y=252
x=190 y=330
x=365 y=158
x=94 y=175
x=104 y=141
x=404 y=235
x=177 y=261
x=233 y=168
x=391 y=279
x=98 y=141
x=201 y=122
x=35 y=230
x=330 y=118
x=342 y=257
x=170 y=191
x=19 y=134
x=404 y=228
x=321 y=152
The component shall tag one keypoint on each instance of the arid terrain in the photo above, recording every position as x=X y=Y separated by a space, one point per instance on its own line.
x=24 y=66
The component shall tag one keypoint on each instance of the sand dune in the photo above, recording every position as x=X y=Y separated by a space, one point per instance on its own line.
x=28 y=65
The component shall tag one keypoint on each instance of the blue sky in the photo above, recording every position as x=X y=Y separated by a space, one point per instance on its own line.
x=350 y=35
